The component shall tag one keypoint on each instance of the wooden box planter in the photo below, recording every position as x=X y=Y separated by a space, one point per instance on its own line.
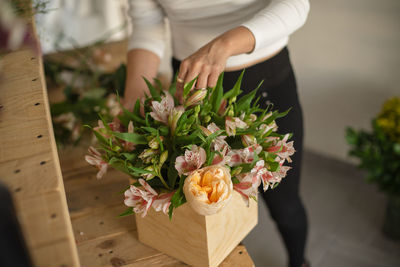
x=195 y=239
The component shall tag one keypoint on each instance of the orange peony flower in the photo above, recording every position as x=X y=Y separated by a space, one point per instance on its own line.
x=209 y=189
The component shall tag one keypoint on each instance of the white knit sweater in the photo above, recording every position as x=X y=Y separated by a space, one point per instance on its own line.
x=196 y=22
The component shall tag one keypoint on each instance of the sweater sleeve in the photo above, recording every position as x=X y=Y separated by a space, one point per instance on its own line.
x=278 y=19
x=148 y=26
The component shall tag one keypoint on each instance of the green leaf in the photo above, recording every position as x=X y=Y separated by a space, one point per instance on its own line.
x=100 y=138
x=129 y=156
x=188 y=87
x=217 y=94
x=244 y=102
x=127 y=212
x=119 y=165
x=235 y=91
x=131 y=137
x=235 y=180
x=153 y=91
x=273 y=166
x=150 y=130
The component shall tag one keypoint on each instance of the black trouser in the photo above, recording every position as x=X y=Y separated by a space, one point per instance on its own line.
x=280 y=88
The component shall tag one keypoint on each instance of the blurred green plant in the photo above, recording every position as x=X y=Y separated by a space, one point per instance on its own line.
x=379 y=150
x=88 y=91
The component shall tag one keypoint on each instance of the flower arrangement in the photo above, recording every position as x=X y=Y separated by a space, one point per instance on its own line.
x=379 y=150
x=197 y=150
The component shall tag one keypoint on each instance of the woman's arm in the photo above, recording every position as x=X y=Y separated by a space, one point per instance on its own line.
x=146 y=47
x=280 y=18
x=141 y=63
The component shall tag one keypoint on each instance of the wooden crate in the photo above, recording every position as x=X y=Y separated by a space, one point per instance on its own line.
x=195 y=239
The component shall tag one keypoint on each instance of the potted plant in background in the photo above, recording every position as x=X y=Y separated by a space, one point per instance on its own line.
x=379 y=154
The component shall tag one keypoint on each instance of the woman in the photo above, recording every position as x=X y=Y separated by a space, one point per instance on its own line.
x=211 y=36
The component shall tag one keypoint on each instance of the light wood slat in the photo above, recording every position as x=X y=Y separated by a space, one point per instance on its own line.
x=239 y=257
x=105 y=251
x=102 y=222
x=89 y=193
x=37 y=185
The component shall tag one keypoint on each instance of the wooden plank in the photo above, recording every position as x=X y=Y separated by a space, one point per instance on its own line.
x=29 y=163
x=114 y=250
x=239 y=257
x=88 y=193
x=102 y=222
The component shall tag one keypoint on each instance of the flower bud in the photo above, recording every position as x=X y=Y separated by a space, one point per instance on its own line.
x=236 y=171
x=154 y=143
x=163 y=157
x=205 y=130
x=196 y=97
x=230 y=113
x=174 y=116
x=148 y=153
x=207 y=118
x=248 y=140
x=197 y=109
x=148 y=176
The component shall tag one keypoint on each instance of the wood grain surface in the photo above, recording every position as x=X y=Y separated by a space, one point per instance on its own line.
x=29 y=164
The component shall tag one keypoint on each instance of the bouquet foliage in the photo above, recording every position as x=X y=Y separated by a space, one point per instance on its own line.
x=379 y=150
x=197 y=150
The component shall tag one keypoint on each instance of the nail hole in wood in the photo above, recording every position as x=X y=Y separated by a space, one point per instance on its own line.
x=32 y=58
x=100 y=255
x=42 y=162
x=53 y=216
x=1 y=106
x=39 y=136
x=96 y=197
x=111 y=252
x=101 y=223
x=37 y=104
x=17 y=171
x=17 y=189
x=63 y=265
x=240 y=252
x=34 y=80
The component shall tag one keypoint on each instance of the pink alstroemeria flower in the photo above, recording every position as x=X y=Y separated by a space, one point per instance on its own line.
x=140 y=199
x=161 y=110
x=191 y=161
x=231 y=123
x=162 y=202
x=248 y=186
x=283 y=149
x=115 y=126
x=95 y=159
x=245 y=155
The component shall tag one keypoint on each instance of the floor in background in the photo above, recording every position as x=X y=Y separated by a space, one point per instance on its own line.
x=345 y=216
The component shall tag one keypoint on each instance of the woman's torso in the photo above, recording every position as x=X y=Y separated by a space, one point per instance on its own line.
x=194 y=23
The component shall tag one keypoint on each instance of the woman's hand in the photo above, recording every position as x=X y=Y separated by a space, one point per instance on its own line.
x=209 y=61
